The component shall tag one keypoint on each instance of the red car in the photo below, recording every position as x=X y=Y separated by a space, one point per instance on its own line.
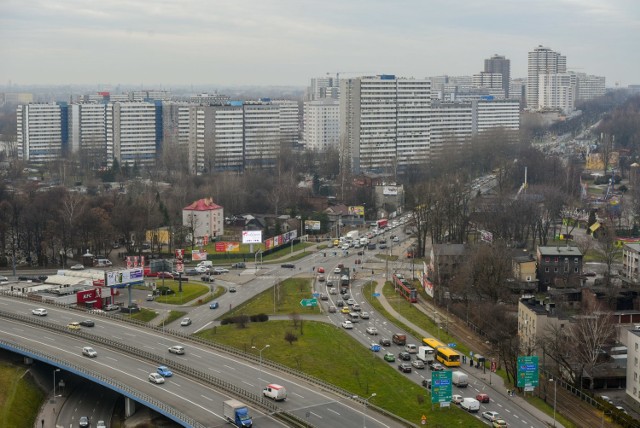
x=320 y=269
x=166 y=275
x=483 y=398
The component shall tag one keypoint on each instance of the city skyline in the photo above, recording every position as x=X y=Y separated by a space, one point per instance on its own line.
x=286 y=42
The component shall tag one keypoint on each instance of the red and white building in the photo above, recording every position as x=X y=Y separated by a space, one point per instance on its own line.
x=205 y=218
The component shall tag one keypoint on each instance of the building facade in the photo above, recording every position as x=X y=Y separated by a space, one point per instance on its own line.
x=205 y=218
x=321 y=124
x=42 y=131
x=131 y=133
x=557 y=91
x=558 y=267
x=542 y=60
x=501 y=65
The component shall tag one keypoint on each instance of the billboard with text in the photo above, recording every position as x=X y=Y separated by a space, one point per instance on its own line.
x=313 y=225
x=227 y=247
x=251 y=236
x=124 y=277
x=356 y=210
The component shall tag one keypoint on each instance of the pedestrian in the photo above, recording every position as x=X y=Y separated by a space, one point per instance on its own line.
x=509 y=392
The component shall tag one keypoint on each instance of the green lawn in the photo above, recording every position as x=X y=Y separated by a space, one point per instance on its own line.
x=288 y=294
x=317 y=350
x=145 y=315
x=190 y=291
x=20 y=397
x=174 y=315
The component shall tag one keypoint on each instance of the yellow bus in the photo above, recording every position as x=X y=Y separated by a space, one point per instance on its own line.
x=434 y=343
x=448 y=357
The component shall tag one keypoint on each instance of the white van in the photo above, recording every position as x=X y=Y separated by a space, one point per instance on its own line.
x=205 y=264
x=470 y=404
x=411 y=348
x=275 y=391
x=103 y=263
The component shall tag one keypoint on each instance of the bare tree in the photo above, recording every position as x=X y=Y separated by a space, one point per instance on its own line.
x=608 y=249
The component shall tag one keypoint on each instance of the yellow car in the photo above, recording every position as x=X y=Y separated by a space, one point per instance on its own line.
x=74 y=326
x=345 y=310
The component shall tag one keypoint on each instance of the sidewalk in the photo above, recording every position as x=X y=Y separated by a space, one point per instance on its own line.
x=502 y=390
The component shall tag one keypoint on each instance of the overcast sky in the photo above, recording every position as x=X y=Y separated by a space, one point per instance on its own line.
x=159 y=43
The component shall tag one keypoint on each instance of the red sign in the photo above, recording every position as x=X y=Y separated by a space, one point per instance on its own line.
x=179 y=254
x=129 y=262
x=205 y=240
x=494 y=366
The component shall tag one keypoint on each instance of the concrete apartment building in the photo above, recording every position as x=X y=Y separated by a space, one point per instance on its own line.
x=541 y=61
x=535 y=320
x=324 y=87
x=131 y=133
x=589 y=86
x=630 y=272
x=42 y=131
x=633 y=369
x=558 y=267
x=88 y=132
x=321 y=124
x=557 y=91
x=289 y=121
x=501 y=65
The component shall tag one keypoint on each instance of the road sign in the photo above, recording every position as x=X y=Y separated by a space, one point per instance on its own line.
x=423 y=420
x=451 y=345
x=376 y=294
x=316 y=294
x=440 y=387
x=528 y=371
x=308 y=302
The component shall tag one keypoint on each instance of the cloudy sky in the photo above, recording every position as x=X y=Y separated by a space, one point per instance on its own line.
x=159 y=43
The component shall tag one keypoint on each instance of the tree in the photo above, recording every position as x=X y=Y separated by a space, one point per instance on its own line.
x=608 y=248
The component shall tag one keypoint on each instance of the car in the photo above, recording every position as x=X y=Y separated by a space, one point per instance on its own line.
x=404 y=356
x=607 y=399
x=621 y=409
x=500 y=423
x=320 y=269
x=88 y=351
x=219 y=271
x=111 y=307
x=83 y=422
x=207 y=278
x=4 y=278
x=288 y=265
x=337 y=270
x=347 y=324
x=382 y=246
x=343 y=291
x=191 y=271
x=77 y=267
x=346 y=296
x=239 y=265
x=389 y=357
x=483 y=398
x=164 y=371
x=404 y=367
x=356 y=307
x=490 y=416
x=74 y=325
x=177 y=349
x=165 y=275
x=374 y=347
x=339 y=303
x=87 y=323
x=457 y=399
x=360 y=253
x=384 y=341
x=351 y=302
x=201 y=269
x=185 y=322
x=329 y=283
x=324 y=296
x=321 y=278
x=589 y=273
x=345 y=310
x=332 y=309
x=436 y=367
x=418 y=364
x=41 y=312
x=101 y=424
x=396 y=239
x=372 y=331
x=214 y=305
x=155 y=378
x=364 y=315
x=345 y=247
x=232 y=289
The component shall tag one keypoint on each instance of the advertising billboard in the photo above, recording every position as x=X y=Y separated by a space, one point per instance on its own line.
x=197 y=255
x=356 y=210
x=251 y=236
x=227 y=247
x=313 y=225
x=390 y=191
x=268 y=243
x=122 y=278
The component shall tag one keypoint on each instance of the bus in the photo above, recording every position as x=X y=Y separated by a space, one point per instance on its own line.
x=448 y=357
x=405 y=289
x=434 y=343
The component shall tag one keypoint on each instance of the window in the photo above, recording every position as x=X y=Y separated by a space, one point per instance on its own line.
x=546 y=269
x=555 y=259
x=576 y=270
x=547 y=259
x=555 y=270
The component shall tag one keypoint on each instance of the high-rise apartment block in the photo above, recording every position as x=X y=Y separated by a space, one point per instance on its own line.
x=323 y=87
x=321 y=124
x=501 y=65
x=542 y=61
x=589 y=86
x=42 y=131
x=88 y=132
x=131 y=133
x=557 y=91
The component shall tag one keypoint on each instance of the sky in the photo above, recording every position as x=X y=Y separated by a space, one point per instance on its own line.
x=159 y=43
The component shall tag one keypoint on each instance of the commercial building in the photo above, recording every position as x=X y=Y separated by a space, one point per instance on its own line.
x=321 y=124
x=542 y=60
x=501 y=65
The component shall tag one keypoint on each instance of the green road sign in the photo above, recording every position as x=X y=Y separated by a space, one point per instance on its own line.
x=309 y=302
x=440 y=387
x=527 y=371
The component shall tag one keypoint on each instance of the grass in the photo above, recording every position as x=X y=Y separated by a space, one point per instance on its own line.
x=548 y=409
x=20 y=398
x=190 y=291
x=174 y=315
x=359 y=371
x=145 y=315
x=288 y=294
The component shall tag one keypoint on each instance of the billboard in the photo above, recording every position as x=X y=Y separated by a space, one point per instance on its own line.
x=313 y=225
x=227 y=247
x=278 y=240
x=122 y=278
x=356 y=210
x=197 y=255
x=251 y=236
x=389 y=190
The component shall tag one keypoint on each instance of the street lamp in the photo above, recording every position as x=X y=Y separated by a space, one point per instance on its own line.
x=54 y=384
x=364 y=415
x=555 y=395
x=265 y=347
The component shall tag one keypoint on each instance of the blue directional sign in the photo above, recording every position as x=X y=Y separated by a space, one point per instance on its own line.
x=528 y=371
x=451 y=345
x=441 y=387
x=376 y=294
x=316 y=294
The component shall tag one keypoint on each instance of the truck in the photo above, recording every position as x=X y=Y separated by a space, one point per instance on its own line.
x=470 y=404
x=426 y=354
x=237 y=413
x=354 y=235
x=344 y=281
x=382 y=223
x=459 y=379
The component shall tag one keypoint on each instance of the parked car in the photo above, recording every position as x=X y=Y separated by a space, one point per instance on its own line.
x=165 y=275
x=288 y=265
x=88 y=351
x=155 y=378
x=490 y=416
x=384 y=341
x=185 y=322
x=418 y=364
x=41 y=312
x=389 y=357
x=483 y=398
x=111 y=307
x=214 y=305
x=232 y=289
x=404 y=367
x=177 y=349
x=404 y=356
x=372 y=331
x=87 y=323
x=164 y=371
x=77 y=267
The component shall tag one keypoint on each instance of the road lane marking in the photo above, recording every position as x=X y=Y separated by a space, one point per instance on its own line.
x=206 y=398
x=203 y=327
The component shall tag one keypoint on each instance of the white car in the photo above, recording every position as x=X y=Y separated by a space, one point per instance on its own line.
x=4 y=279
x=456 y=399
x=77 y=267
x=40 y=312
x=364 y=315
x=490 y=416
x=351 y=302
x=185 y=322
x=101 y=424
x=88 y=351
x=372 y=331
x=219 y=271
x=337 y=270
x=155 y=378
x=201 y=269
x=347 y=324
x=177 y=349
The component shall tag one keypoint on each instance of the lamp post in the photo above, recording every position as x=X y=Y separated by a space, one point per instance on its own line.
x=555 y=395
x=54 y=384
x=364 y=415
x=260 y=351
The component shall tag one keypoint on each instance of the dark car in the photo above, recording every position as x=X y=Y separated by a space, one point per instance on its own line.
x=232 y=289
x=385 y=342
x=214 y=305
x=83 y=422
x=339 y=303
x=239 y=265
x=288 y=265
x=87 y=323
x=346 y=297
x=404 y=356
x=404 y=367
x=207 y=278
